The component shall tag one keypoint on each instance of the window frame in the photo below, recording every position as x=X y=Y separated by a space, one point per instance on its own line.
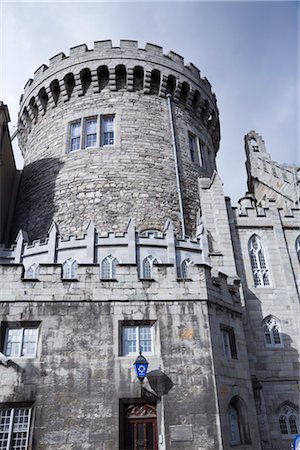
x=113 y=261
x=195 y=149
x=255 y=255
x=105 y=117
x=151 y=260
x=87 y=119
x=34 y=268
x=23 y=326
x=12 y=415
x=284 y=420
x=68 y=265
x=71 y=138
x=228 y=342
x=137 y=325
x=268 y=329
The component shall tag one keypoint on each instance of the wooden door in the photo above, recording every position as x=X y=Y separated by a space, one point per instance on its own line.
x=140 y=427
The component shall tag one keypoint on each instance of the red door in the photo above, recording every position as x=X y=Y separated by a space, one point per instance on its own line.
x=140 y=427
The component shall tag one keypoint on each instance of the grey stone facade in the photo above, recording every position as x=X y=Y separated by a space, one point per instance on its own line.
x=139 y=234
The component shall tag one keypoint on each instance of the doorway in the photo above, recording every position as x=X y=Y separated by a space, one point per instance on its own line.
x=140 y=427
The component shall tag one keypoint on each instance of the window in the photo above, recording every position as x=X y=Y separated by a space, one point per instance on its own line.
x=108 y=130
x=147 y=266
x=185 y=268
x=254 y=145
x=70 y=267
x=228 y=342
x=298 y=248
x=194 y=150
x=21 y=341
x=32 y=271
x=258 y=262
x=90 y=132
x=75 y=136
x=235 y=437
x=288 y=421
x=136 y=339
x=14 y=428
x=108 y=268
x=272 y=332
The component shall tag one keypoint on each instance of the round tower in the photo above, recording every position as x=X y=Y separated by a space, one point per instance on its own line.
x=102 y=140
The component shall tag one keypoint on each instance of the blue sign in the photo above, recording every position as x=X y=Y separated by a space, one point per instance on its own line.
x=297 y=442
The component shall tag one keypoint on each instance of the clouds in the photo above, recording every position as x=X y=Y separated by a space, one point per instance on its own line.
x=247 y=50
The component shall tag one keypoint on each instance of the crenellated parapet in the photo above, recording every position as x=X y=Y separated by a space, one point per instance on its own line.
x=126 y=67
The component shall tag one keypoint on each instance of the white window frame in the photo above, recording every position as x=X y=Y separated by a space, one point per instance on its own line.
x=286 y=412
x=70 y=268
x=32 y=272
x=150 y=260
x=137 y=328
x=15 y=427
x=87 y=119
x=103 y=119
x=112 y=262
x=184 y=268
x=21 y=341
x=271 y=329
x=71 y=138
x=261 y=275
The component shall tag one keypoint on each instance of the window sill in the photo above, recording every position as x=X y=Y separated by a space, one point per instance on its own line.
x=71 y=280
x=34 y=280
x=147 y=279
x=108 y=279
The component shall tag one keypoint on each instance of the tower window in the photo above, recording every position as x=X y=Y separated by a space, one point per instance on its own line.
x=194 y=149
x=108 y=132
x=75 y=136
x=228 y=342
x=272 y=332
x=258 y=262
x=90 y=132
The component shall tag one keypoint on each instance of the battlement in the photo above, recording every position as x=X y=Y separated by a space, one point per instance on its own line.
x=83 y=68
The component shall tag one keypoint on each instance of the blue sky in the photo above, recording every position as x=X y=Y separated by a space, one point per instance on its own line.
x=249 y=51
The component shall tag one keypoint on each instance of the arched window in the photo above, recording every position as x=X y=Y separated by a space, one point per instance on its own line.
x=147 y=266
x=69 y=81
x=235 y=437
x=171 y=85
x=185 y=268
x=138 y=78
x=272 y=332
x=151 y=232
x=34 y=108
x=120 y=77
x=85 y=78
x=55 y=90
x=185 y=89
x=43 y=96
x=288 y=421
x=254 y=145
x=32 y=271
x=155 y=82
x=196 y=100
x=108 y=268
x=258 y=262
x=103 y=77
x=70 y=267
x=298 y=248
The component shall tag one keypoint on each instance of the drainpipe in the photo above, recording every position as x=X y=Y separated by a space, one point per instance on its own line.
x=169 y=97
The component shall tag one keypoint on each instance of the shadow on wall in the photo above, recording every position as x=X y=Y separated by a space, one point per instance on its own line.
x=274 y=363
x=35 y=206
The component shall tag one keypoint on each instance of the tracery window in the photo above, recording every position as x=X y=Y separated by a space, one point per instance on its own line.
x=32 y=271
x=272 y=332
x=258 y=262
x=184 y=272
x=148 y=266
x=288 y=421
x=70 y=267
x=108 y=268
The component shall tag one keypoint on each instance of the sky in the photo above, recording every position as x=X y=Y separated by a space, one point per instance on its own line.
x=248 y=50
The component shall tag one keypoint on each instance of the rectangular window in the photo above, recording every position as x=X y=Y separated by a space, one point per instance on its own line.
x=108 y=133
x=75 y=136
x=90 y=132
x=228 y=342
x=136 y=339
x=195 y=150
x=21 y=341
x=14 y=428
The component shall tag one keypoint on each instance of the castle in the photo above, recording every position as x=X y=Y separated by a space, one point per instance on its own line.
x=117 y=240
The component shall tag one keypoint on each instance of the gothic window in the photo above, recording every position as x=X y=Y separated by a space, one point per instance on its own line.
x=90 y=132
x=14 y=427
x=69 y=81
x=85 y=78
x=288 y=421
x=185 y=268
x=137 y=338
x=258 y=262
x=75 y=136
x=108 y=268
x=235 y=437
x=298 y=248
x=108 y=133
x=254 y=145
x=55 y=90
x=70 y=267
x=21 y=341
x=272 y=333
x=148 y=266
x=32 y=271
x=43 y=96
x=138 y=78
